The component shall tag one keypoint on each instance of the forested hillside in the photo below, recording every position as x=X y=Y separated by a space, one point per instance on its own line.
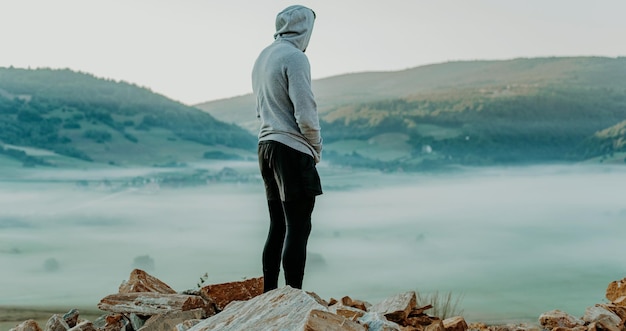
x=519 y=111
x=80 y=116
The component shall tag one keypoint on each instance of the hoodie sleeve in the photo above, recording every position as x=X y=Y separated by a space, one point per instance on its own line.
x=301 y=95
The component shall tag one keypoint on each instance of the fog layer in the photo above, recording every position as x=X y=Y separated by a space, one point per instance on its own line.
x=512 y=242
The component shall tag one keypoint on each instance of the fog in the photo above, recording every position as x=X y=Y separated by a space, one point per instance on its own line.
x=511 y=242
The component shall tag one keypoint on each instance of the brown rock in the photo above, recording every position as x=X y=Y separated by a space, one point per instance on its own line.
x=456 y=323
x=576 y=328
x=556 y=318
x=359 y=304
x=285 y=308
x=616 y=289
x=621 y=301
x=28 y=325
x=420 y=321
x=150 y=303
x=223 y=294
x=397 y=308
x=84 y=326
x=169 y=320
x=598 y=313
x=324 y=320
x=56 y=323
x=436 y=325
x=141 y=281
x=348 y=312
x=115 y=322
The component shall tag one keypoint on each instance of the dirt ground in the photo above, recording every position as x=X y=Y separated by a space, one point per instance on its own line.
x=12 y=316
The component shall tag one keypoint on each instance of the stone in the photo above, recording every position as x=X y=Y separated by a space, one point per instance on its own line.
x=397 y=308
x=621 y=301
x=186 y=325
x=56 y=323
x=137 y=321
x=348 y=312
x=325 y=320
x=115 y=322
x=28 y=325
x=169 y=320
x=456 y=323
x=620 y=311
x=284 y=308
x=141 y=281
x=576 y=328
x=150 y=303
x=349 y=302
x=225 y=293
x=375 y=321
x=71 y=317
x=556 y=318
x=599 y=313
x=436 y=325
x=616 y=289
x=84 y=326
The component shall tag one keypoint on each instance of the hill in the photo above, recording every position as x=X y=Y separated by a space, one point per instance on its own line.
x=59 y=117
x=517 y=111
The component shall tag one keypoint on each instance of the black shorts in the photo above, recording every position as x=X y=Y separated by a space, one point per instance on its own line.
x=288 y=174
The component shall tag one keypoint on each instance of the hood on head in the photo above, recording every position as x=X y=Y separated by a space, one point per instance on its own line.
x=295 y=24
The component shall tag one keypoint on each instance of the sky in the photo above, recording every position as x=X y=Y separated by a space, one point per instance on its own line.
x=194 y=51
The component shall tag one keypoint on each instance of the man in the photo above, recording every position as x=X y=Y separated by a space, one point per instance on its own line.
x=290 y=144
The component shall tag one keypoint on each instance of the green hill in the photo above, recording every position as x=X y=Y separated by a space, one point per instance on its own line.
x=467 y=113
x=57 y=117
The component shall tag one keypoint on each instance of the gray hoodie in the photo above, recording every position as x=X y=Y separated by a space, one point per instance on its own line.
x=281 y=81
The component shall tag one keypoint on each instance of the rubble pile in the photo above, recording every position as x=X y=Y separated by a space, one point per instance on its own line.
x=145 y=303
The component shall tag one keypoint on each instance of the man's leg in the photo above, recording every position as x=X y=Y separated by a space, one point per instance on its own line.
x=298 y=216
x=273 y=245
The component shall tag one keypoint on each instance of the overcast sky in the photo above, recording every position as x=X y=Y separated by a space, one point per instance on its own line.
x=200 y=50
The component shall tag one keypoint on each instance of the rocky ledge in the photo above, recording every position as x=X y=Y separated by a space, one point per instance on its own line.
x=145 y=303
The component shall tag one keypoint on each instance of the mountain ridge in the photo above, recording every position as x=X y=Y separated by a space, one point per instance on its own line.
x=554 y=96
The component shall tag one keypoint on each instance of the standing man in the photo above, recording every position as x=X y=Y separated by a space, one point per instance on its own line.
x=290 y=144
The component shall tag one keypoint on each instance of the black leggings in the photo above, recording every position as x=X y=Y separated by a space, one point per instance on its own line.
x=290 y=226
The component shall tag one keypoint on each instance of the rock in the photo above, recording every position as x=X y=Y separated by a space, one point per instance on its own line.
x=576 y=328
x=84 y=326
x=71 y=317
x=137 y=321
x=598 y=313
x=349 y=302
x=56 y=323
x=396 y=308
x=28 y=325
x=115 y=322
x=616 y=289
x=375 y=321
x=223 y=294
x=325 y=320
x=186 y=325
x=350 y=313
x=285 y=308
x=436 y=325
x=620 y=311
x=318 y=299
x=169 y=320
x=141 y=281
x=621 y=301
x=556 y=318
x=456 y=323
x=150 y=303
